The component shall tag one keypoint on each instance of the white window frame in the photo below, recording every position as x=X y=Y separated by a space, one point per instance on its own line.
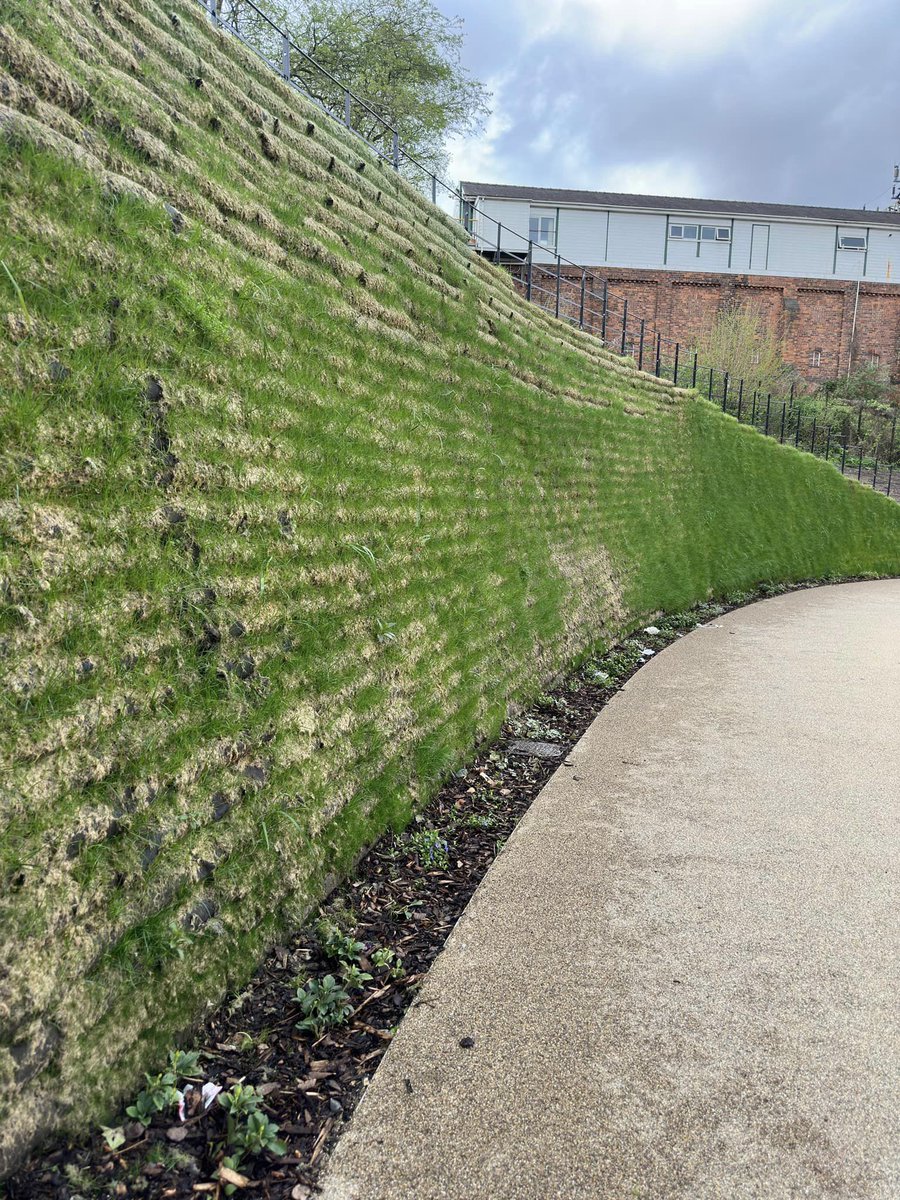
x=540 y=215
x=815 y=358
x=720 y=233
x=855 y=237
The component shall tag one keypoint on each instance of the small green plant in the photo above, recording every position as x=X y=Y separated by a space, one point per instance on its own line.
x=535 y=729
x=325 y=1004
x=159 y=1093
x=340 y=947
x=354 y=976
x=114 y=1136
x=258 y=1134
x=430 y=848
x=184 y=1063
x=386 y=959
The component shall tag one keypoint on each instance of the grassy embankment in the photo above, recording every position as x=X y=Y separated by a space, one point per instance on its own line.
x=297 y=498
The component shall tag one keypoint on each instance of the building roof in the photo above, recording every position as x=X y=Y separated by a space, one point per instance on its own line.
x=680 y=204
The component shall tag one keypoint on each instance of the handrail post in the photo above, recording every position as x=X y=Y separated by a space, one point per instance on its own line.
x=828 y=443
x=581 y=306
x=783 y=415
x=797 y=430
x=725 y=394
x=285 y=57
x=675 y=368
x=558 y=282
x=213 y=11
x=891 y=457
x=694 y=375
x=528 y=273
x=710 y=383
x=396 y=150
x=641 y=346
x=768 y=409
x=812 y=441
x=658 y=354
x=843 y=455
x=434 y=189
x=347 y=123
x=497 y=251
x=624 y=324
x=740 y=399
x=605 y=310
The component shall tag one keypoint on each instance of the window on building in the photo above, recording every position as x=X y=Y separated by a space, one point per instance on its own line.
x=542 y=229
x=815 y=358
x=852 y=243
x=705 y=233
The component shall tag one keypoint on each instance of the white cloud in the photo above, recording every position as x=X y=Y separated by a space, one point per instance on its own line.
x=662 y=177
x=477 y=157
x=661 y=33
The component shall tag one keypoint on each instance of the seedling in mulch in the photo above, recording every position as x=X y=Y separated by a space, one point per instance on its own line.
x=354 y=976
x=336 y=945
x=386 y=959
x=325 y=1004
x=534 y=729
x=430 y=848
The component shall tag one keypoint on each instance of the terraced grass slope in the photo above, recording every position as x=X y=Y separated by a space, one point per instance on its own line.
x=297 y=498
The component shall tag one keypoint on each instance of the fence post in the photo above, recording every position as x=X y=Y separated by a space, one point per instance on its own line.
x=285 y=56
x=603 y=317
x=347 y=123
x=768 y=409
x=753 y=414
x=558 y=282
x=859 y=463
x=875 y=473
x=797 y=430
x=434 y=189
x=675 y=368
x=658 y=353
x=396 y=150
x=793 y=386
x=581 y=305
x=725 y=392
x=783 y=414
x=812 y=441
x=213 y=12
x=624 y=323
x=828 y=443
x=497 y=252
x=694 y=376
x=710 y=383
x=891 y=457
x=740 y=406
x=641 y=346
x=843 y=455
x=528 y=272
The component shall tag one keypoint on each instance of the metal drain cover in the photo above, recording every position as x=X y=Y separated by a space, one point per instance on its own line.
x=536 y=749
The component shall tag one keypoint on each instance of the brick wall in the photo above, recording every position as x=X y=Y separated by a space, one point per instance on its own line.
x=814 y=316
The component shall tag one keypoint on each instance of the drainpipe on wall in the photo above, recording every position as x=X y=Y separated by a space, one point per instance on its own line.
x=853 y=329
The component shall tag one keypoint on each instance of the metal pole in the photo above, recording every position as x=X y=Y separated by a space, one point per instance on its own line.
x=497 y=251
x=347 y=123
x=581 y=305
x=875 y=474
x=658 y=358
x=725 y=392
x=843 y=455
x=285 y=56
x=753 y=414
x=675 y=368
x=828 y=444
x=434 y=189
x=812 y=441
x=710 y=383
x=213 y=12
x=694 y=376
x=793 y=386
x=797 y=430
x=768 y=408
x=783 y=414
x=528 y=273
x=641 y=346
x=891 y=457
x=558 y=282
x=624 y=323
x=859 y=467
x=396 y=151
x=603 y=315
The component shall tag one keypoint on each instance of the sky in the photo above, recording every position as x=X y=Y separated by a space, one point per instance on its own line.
x=791 y=101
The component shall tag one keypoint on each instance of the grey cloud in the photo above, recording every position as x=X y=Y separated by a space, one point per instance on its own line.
x=810 y=121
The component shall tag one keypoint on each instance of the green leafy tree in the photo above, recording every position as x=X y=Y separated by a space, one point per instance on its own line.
x=401 y=57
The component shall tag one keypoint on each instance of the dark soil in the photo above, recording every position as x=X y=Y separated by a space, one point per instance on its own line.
x=405 y=895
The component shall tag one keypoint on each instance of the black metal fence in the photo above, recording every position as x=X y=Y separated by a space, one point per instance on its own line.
x=864 y=446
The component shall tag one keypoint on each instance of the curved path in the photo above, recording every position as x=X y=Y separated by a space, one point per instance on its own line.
x=682 y=974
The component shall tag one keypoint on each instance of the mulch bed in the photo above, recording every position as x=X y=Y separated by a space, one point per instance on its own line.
x=406 y=894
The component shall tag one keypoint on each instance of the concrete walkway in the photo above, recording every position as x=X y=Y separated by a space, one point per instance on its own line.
x=682 y=974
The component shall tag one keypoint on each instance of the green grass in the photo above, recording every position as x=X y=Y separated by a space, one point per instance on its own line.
x=379 y=499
